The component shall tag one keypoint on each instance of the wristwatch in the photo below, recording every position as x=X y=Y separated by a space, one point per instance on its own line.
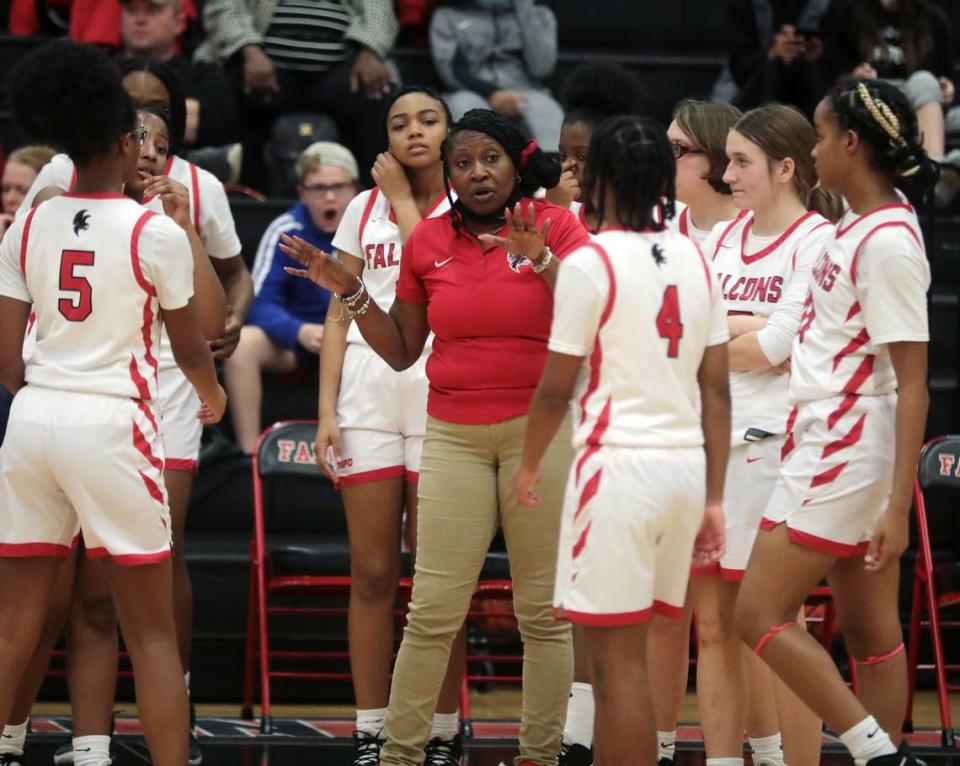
x=541 y=265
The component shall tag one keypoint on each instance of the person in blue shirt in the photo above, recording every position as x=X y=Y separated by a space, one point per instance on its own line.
x=285 y=324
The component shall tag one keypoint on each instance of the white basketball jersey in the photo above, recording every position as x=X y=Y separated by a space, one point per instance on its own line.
x=641 y=307
x=369 y=231
x=754 y=276
x=98 y=270
x=867 y=289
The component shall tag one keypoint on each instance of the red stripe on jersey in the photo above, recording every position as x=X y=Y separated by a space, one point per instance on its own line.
x=152 y=487
x=841 y=231
x=24 y=238
x=851 y=438
x=367 y=209
x=73 y=179
x=730 y=227
x=874 y=230
x=148 y=413
x=144 y=448
x=31 y=321
x=828 y=476
x=773 y=246
x=588 y=492
x=596 y=358
x=854 y=310
x=146 y=330
x=845 y=406
x=138 y=380
x=860 y=339
x=195 y=188
x=864 y=371
x=790 y=443
x=684 y=224
x=593 y=440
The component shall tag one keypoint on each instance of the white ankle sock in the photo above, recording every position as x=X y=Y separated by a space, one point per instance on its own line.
x=13 y=738
x=579 y=727
x=446 y=726
x=666 y=744
x=93 y=750
x=724 y=761
x=371 y=721
x=768 y=749
x=867 y=740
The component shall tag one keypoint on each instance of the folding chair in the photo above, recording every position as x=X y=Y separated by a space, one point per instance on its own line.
x=936 y=584
x=292 y=554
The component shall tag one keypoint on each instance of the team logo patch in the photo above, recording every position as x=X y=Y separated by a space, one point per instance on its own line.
x=516 y=260
x=657 y=252
x=81 y=222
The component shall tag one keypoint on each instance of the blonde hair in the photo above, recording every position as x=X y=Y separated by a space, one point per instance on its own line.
x=35 y=156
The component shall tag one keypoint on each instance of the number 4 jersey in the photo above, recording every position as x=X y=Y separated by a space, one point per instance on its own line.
x=98 y=269
x=641 y=307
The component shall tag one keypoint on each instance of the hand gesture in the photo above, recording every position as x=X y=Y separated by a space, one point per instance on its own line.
x=327 y=447
x=212 y=411
x=371 y=74
x=508 y=102
x=523 y=237
x=864 y=71
x=310 y=336
x=568 y=188
x=259 y=72
x=889 y=541
x=787 y=46
x=390 y=177
x=322 y=269
x=524 y=480
x=224 y=346
x=175 y=198
x=711 y=539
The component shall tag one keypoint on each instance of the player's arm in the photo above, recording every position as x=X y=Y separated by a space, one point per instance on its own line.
x=47 y=192
x=194 y=358
x=238 y=287
x=13 y=326
x=332 y=353
x=713 y=378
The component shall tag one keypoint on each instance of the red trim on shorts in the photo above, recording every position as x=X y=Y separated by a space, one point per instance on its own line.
x=615 y=619
x=773 y=246
x=33 y=550
x=155 y=492
x=144 y=448
x=31 y=321
x=129 y=559
x=588 y=492
x=844 y=407
x=790 y=443
x=829 y=476
x=411 y=477
x=367 y=209
x=180 y=464
x=195 y=184
x=861 y=339
x=848 y=440
x=593 y=440
x=378 y=474
x=864 y=371
x=596 y=357
x=874 y=230
x=24 y=238
x=714 y=569
x=148 y=413
x=822 y=544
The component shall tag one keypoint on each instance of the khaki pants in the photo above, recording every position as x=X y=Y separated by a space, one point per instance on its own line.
x=466 y=494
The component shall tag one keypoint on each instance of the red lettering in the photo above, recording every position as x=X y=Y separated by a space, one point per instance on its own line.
x=825 y=272
x=762 y=289
x=391 y=260
x=304 y=454
x=732 y=295
x=368 y=250
x=775 y=289
x=946 y=464
x=724 y=279
x=285 y=449
x=749 y=289
x=379 y=260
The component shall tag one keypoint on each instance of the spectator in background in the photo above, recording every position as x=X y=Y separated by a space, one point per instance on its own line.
x=285 y=323
x=19 y=171
x=907 y=43
x=283 y=56
x=496 y=54
x=775 y=51
x=150 y=29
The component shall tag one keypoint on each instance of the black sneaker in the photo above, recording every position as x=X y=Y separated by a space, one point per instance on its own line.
x=574 y=755
x=195 y=755
x=64 y=754
x=443 y=752
x=903 y=757
x=11 y=759
x=665 y=761
x=366 y=749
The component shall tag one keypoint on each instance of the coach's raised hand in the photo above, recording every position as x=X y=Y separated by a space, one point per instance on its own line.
x=523 y=236
x=321 y=268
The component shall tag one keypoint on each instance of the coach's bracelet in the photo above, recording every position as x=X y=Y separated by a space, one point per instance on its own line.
x=543 y=263
x=354 y=298
x=358 y=311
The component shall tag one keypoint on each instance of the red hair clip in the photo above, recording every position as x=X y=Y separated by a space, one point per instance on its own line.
x=527 y=153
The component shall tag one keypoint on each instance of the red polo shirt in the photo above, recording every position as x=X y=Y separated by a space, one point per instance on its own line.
x=490 y=315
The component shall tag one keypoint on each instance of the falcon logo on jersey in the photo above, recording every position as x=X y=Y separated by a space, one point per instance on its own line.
x=516 y=260
x=81 y=222
x=657 y=252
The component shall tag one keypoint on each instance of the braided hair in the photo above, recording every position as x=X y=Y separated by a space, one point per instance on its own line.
x=534 y=167
x=883 y=119
x=70 y=96
x=176 y=113
x=632 y=158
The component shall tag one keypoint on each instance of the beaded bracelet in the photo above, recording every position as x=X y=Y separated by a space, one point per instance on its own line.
x=362 y=309
x=353 y=298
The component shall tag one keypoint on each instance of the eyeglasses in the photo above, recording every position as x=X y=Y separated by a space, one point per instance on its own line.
x=679 y=149
x=140 y=134
x=319 y=190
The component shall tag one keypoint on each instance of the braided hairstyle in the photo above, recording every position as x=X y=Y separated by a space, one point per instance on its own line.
x=631 y=157
x=884 y=120
x=176 y=113
x=534 y=167
x=70 y=96
x=400 y=93
x=594 y=92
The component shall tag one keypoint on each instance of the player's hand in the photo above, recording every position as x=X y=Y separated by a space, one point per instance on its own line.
x=259 y=72
x=523 y=237
x=390 y=177
x=787 y=45
x=524 y=480
x=310 y=336
x=327 y=447
x=175 y=198
x=508 y=102
x=224 y=346
x=370 y=73
x=711 y=539
x=889 y=541
x=568 y=188
x=864 y=71
x=322 y=268
x=212 y=411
